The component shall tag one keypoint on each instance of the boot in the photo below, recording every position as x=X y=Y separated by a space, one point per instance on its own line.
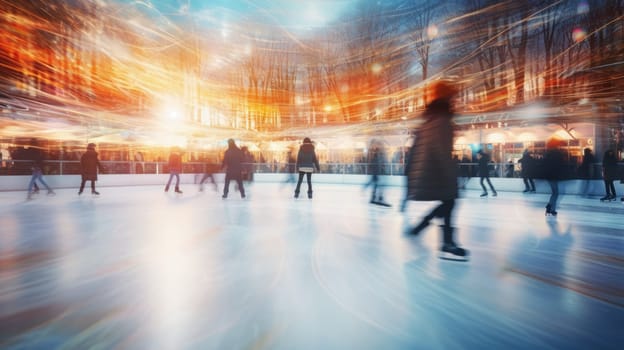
x=550 y=211
x=95 y=193
x=296 y=194
x=166 y=188
x=310 y=194
x=177 y=190
x=484 y=194
x=450 y=250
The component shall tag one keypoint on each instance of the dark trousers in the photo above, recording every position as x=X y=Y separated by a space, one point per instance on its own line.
x=487 y=178
x=444 y=211
x=609 y=187
x=554 y=194
x=171 y=176
x=84 y=181
x=529 y=184
x=239 y=181
x=205 y=177
x=309 y=178
x=377 y=193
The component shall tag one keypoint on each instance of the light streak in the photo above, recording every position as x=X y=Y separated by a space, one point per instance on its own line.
x=107 y=66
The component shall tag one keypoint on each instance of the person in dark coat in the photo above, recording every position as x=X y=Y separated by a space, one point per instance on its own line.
x=290 y=166
x=89 y=165
x=553 y=168
x=484 y=172
x=609 y=174
x=232 y=162
x=431 y=171
x=247 y=165
x=586 y=169
x=175 y=168
x=36 y=155
x=527 y=163
x=306 y=161
x=377 y=162
x=209 y=174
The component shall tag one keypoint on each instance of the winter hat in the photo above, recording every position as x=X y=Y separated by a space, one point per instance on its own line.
x=307 y=140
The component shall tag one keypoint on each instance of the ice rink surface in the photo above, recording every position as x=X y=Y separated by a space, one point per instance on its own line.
x=136 y=268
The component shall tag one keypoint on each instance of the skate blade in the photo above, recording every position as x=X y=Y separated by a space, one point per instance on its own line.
x=452 y=257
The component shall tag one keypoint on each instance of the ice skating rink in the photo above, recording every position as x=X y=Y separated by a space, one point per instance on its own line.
x=140 y=269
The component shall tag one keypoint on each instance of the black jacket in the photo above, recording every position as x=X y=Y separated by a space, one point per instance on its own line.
x=90 y=164
x=307 y=156
x=232 y=161
x=431 y=170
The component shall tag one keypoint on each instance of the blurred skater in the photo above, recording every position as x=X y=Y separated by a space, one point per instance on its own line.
x=247 y=165
x=290 y=166
x=210 y=169
x=553 y=168
x=232 y=162
x=306 y=161
x=484 y=172
x=431 y=171
x=609 y=174
x=377 y=162
x=175 y=168
x=89 y=165
x=527 y=164
x=586 y=170
x=36 y=155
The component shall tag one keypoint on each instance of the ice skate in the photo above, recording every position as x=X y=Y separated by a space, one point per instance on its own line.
x=51 y=193
x=310 y=194
x=550 y=211
x=450 y=251
x=95 y=193
x=484 y=194
x=379 y=202
x=607 y=198
x=177 y=190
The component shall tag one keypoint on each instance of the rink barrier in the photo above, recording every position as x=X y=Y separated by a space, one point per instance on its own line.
x=20 y=182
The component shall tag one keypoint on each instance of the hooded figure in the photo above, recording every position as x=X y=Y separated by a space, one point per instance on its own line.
x=89 y=165
x=609 y=174
x=232 y=161
x=306 y=161
x=175 y=168
x=553 y=167
x=431 y=171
